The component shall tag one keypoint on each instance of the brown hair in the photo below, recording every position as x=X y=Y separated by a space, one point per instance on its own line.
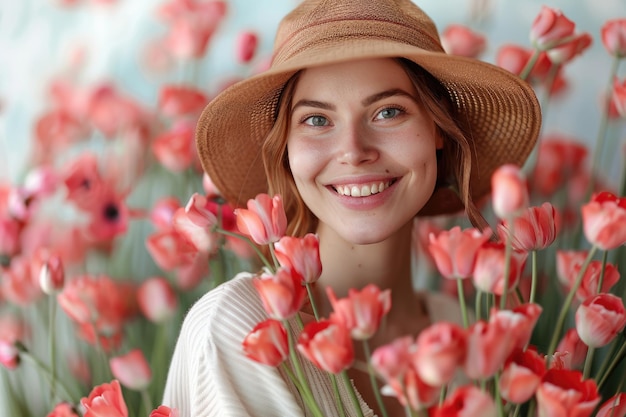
x=453 y=163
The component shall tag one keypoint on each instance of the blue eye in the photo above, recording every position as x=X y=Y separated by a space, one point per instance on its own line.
x=316 y=121
x=388 y=113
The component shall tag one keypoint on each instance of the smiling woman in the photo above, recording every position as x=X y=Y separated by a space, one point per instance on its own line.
x=363 y=123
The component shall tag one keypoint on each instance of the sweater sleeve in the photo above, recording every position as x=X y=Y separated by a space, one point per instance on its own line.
x=209 y=374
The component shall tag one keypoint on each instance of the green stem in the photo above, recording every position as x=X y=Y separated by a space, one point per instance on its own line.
x=498 y=398
x=274 y=258
x=567 y=303
x=24 y=353
x=147 y=402
x=53 y=348
x=517 y=410
x=352 y=393
x=338 y=401
x=309 y=291
x=616 y=360
x=265 y=261
x=605 y=255
x=588 y=362
x=479 y=304
x=461 y=296
x=372 y=375
x=609 y=356
x=530 y=64
x=508 y=249
x=533 y=282
x=531 y=408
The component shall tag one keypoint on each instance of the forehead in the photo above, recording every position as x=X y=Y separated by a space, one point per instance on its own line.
x=365 y=76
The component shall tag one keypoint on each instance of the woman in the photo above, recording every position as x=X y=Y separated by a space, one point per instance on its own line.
x=361 y=123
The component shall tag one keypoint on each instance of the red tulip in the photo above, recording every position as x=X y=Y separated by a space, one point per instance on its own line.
x=614 y=37
x=302 y=255
x=568 y=266
x=488 y=346
x=521 y=375
x=599 y=319
x=461 y=40
x=361 y=311
x=467 y=401
x=549 y=28
x=574 y=349
x=489 y=269
x=604 y=220
x=328 y=345
x=440 y=350
x=534 y=229
x=164 y=411
x=132 y=370
x=509 y=191
x=282 y=293
x=614 y=406
x=454 y=251
x=267 y=343
x=105 y=400
x=563 y=392
x=264 y=221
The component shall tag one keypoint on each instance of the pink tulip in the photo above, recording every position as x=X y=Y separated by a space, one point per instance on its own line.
x=63 y=410
x=245 y=46
x=411 y=391
x=534 y=229
x=563 y=392
x=302 y=255
x=514 y=58
x=618 y=94
x=132 y=370
x=614 y=36
x=509 y=191
x=361 y=311
x=198 y=212
x=521 y=375
x=202 y=238
x=52 y=275
x=467 y=401
x=440 y=351
x=267 y=343
x=454 y=251
x=177 y=100
x=614 y=406
x=575 y=350
x=282 y=293
x=157 y=299
x=488 y=346
x=461 y=40
x=604 y=220
x=550 y=27
x=9 y=355
x=328 y=345
x=175 y=148
x=568 y=267
x=489 y=269
x=162 y=212
x=105 y=400
x=392 y=360
x=170 y=249
x=569 y=50
x=264 y=221
x=599 y=319
x=164 y=411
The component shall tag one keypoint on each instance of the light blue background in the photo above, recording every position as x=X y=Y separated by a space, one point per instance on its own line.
x=37 y=37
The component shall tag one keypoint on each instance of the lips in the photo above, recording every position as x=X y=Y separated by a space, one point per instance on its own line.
x=362 y=190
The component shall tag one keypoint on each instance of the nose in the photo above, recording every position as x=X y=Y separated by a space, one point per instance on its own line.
x=356 y=146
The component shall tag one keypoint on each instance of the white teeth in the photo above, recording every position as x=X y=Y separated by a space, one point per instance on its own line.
x=363 y=190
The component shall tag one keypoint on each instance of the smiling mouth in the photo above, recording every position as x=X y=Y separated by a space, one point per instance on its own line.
x=363 y=190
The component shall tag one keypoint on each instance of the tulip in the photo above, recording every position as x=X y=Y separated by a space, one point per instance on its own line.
x=301 y=255
x=157 y=299
x=9 y=354
x=461 y=40
x=175 y=100
x=174 y=149
x=132 y=370
x=509 y=191
x=105 y=400
x=198 y=213
x=246 y=45
x=282 y=293
x=162 y=213
x=514 y=58
x=563 y=392
x=267 y=343
x=164 y=411
x=521 y=375
x=52 y=275
x=328 y=345
x=392 y=360
x=604 y=220
x=518 y=322
x=489 y=269
x=63 y=410
x=202 y=238
x=569 y=265
x=440 y=351
x=567 y=51
x=488 y=346
x=411 y=391
x=599 y=319
x=454 y=251
x=614 y=36
x=534 y=229
x=619 y=96
x=614 y=406
x=549 y=28
x=264 y=221
x=467 y=401
x=575 y=349
x=362 y=311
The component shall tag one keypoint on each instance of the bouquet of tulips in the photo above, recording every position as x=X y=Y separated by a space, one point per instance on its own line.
x=100 y=259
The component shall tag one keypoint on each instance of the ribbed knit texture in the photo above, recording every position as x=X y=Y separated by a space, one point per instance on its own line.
x=211 y=377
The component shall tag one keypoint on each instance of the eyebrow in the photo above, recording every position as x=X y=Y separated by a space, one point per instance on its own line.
x=365 y=102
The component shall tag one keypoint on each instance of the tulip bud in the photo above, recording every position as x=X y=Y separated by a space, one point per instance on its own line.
x=52 y=275
x=132 y=370
x=9 y=354
x=509 y=191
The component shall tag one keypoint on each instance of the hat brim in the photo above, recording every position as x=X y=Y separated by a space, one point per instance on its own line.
x=500 y=108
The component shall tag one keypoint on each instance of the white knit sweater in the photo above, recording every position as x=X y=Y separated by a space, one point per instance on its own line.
x=210 y=376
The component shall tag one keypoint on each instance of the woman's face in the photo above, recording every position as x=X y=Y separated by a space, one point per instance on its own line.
x=361 y=148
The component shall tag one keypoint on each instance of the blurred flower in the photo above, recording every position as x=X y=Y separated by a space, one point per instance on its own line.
x=454 y=251
x=162 y=212
x=410 y=390
x=489 y=268
x=52 y=275
x=245 y=46
x=519 y=322
x=521 y=375
x=564 y=392
x=175 y=149
x=550 y=27
x=361 y=311
x=614 y=406
x=164 y=411
x=509 y=191
x=105 y=400
x=613 y=34
x=467 y=401
x=599 y=319
x=575 y=348
x=567 y=51
x=157 y=299
x=132 y=370
x=392 y=360
x=301 y=255
x=514 y=58
x=440 y=350
x=177 y=101
x=327 y=344
x=63 y=410
x=569 y=265
x=198 y=213
x=267 y=343
x=488 y=346
x=604 y=220
x=9 y=354
x=618 y=95
x=264 y=220
x=463 y=41
x=534 y=229
x=282 y=293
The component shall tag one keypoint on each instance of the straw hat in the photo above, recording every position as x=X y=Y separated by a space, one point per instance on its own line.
x=501 y=109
